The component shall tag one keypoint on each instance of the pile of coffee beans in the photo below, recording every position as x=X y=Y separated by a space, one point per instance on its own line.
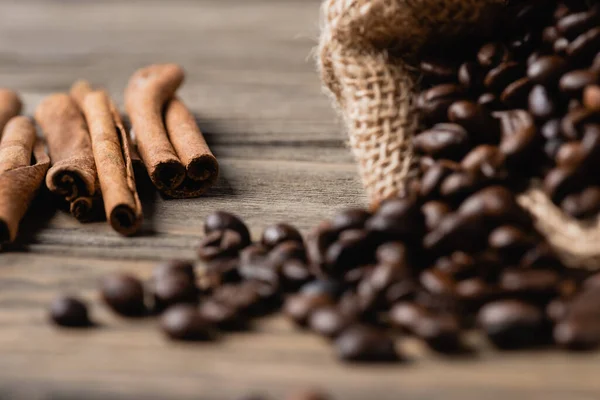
x=525 y=104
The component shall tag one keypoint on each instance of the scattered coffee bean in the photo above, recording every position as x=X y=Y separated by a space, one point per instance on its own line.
x=175 y=267
x=300 y=307
x=173 y=289
x=124 y=294
x=328 y=321
x=219 y=221
x=365 y=344
x=184 y=322
x=69 y=312
x=277 y=234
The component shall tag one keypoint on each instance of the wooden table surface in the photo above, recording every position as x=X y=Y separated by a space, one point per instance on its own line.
x=252 y=82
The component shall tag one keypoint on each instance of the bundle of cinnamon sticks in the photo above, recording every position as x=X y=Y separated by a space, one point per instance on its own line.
x=90 y=165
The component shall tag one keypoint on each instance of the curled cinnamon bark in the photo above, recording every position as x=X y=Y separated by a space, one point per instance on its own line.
x=177 y=158
x=73 y=173
x=10 y=106
x=19 y=181
x=113 y=161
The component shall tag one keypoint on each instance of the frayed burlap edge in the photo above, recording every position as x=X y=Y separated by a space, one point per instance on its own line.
x=374 y=92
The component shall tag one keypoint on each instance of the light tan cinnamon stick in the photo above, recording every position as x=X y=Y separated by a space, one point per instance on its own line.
x=169 y=141
x=73 y=173
x=110 y=146
x=19 y=181
x=10 y=106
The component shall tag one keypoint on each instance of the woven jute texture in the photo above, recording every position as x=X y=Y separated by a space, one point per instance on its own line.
x=366 y=51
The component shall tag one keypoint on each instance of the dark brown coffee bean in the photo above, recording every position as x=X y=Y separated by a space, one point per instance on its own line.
x=437 y=282
x=455 y=232
x=279 y=233
x=219 y=271
x=69 y=312
x=175 y=267
x=437 y=70
x=486 y=160
x=520 y=146
x=290 y=250
x=318 y=241
x=512 y=324
x=265 y=272
x=219 y=244
x=432 y=179
x=492 y=54
x=573 y=124
x=294 y=274
x=184 y=322
x=354 y=218
x=440 y=332
x=542 y=103
x=583 y=205
x=573 y=25
x=243 y=297
x=219 y=221
x=222 y=315
x=570 y=154
x=490 y=101
x=433 y=103
x=434 y=212
x=591 y=97
x=533 y=57
x=476 y=120
x=535 y=284
x=510 y=241
x=585 y=47
x=474 y=291
x=449 y=141
x=573 y=83
x=173 y=289
x=461 y=184
x=471 y=75
x=516 y=94
x=396 y=219
x=503 y=75
x=328 y=321
x=327 y=287
x=392 y=253
x=406 y=316
x=547 y=70
x=495 y=203
x=365 y=344
x=353 y=248
x=459 y=265
x=561 y=181
x=124 y=294
x=300 y=307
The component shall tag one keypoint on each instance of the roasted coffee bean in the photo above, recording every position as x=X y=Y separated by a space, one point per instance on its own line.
x=492 y=54
x=542 y=103
x=456 y=232
x=328 y=321
x=124 y=294
x=219 y=244
x=570 y=154
x=490 y=101
x=264 y=272
x=533 y=284
x=583 y=205
x=471 y=75
x=458 y=185
x=396 y=219
x=295 y=274
x=520 y=147
x=573 y=83
x=354 y=218
x=175 y=267
x=406 y=316
x=69 y=312
x=450 y=141
x=253 y=253
x=515 y=95
x=476 y=120
x=576 y=334
x=353 y=248
x=290 y=250
x=392 y=253
x=503 y=75
x=572 y=124
x=546 y=70
x=560 y=46
x=184 y=322
x=300 y=307
x=510 y=241
x=512 y=324
x=279 y=233
x=326 y=287
x=437 y=282
x=173 y=289
x=404 y=290
x=486 y=160
x=573 y=25
x=318 y=241
x=434 y=212
x=436 y=70
x=364 y=344
x=432 y=179
x=585 y=47
x=561 y=181
x=222 y=315
x=494 y=203
x=459 y=265
x=591 y=97
x=474 y=291
x=440 y=332
x=220 y=220
x=433 y=103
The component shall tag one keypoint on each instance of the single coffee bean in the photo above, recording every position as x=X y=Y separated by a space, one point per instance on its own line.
x=591 y=97
x=519 y=147
x=300 y=307
x=492 y=54
x=486 y=160
x=585 y=47
x=406 y=316
x=495 y=203
x=219 y=221
x=456 y=232
x=353 y=248
x=175 y=267
x=547 y=70
x=290 y=250
x=318 y=241
x=471 y=75
x=69 y=312
x=576 y=334
x=542 y=103
x=434 y=212
x=222 y=315
x=503 y=75
x=510 y=241
x=328 y=321
x=573 y=25
x=573 y=124
x=512 y=324
x=458 y=185
x=434 y=176
x=404 y=290
x=124 y=294
x=433 y=103
x=515 y=95
x=476 y=119
x=219 y=244
x=573 y=83
x=184 y=322
x=365 y=344
x=354 y=218
x=279 y=233
x=441 y=332
x=438 y=70
x=396 y=219
x=173 y=289
x=450 y=141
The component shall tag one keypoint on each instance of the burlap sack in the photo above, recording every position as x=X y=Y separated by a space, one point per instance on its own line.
x=365 y=55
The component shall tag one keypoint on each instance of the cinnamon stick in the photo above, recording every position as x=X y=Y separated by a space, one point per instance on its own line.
x=10 y=106
x=73 y=173
x=110 y=147
x=19 y=181
x=173 y=149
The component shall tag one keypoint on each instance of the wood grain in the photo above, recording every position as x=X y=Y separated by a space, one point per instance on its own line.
x=252 y=84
